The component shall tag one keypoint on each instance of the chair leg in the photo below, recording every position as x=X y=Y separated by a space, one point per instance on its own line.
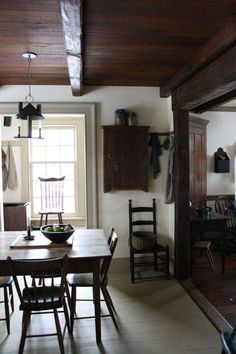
x=7 y=314
x=167 y=263
x=25 y=323
x=111 y=302
x=41 y=220
x=11 y=297
x=132 y=264
x=106 y=298
x=59 y=334
x=72 y=309
x=60 y=220
x=66 y=316
x=210 y=258
x=155 y=260
x=46 y=219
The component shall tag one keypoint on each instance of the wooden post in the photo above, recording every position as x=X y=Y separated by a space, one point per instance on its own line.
x=182 y=234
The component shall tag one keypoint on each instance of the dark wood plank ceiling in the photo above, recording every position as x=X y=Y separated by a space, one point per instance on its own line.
x=131 y=42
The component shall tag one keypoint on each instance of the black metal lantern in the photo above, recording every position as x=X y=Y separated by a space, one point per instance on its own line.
x=29 y=112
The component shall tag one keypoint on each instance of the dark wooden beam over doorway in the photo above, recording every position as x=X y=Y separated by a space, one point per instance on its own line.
x=71 y=17
x=221 y=42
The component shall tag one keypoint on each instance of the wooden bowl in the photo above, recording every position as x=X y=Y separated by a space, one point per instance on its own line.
x=57 y=236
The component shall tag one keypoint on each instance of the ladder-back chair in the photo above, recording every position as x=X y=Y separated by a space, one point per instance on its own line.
x=143 y=242
x=52 y=198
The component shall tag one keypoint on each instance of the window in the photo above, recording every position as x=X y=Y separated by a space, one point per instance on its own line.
x=60 y=153
x=59 y=113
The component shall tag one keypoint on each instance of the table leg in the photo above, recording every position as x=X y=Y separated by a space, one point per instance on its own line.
x=96 y=298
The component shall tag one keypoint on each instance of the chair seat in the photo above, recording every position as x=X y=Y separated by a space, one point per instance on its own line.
x=158 y=248
x=5 y=281
x=81 y=279
x=51 y=211
x=41 y=298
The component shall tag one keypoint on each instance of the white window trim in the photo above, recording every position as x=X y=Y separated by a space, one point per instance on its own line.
x=90 y=128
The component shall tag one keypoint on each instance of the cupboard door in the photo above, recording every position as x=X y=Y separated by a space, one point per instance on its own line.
x=14 y=216
x=197 y=161
x=125 y=158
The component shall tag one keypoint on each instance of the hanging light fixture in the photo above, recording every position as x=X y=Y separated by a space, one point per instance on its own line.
x=29 y=112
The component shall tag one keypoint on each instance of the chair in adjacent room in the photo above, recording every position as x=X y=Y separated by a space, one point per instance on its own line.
x=52 y=198
x=36 y=299
x=143 y=242
x=226 y=207
x=203 y=247
x=77 y=280
x=6 y=285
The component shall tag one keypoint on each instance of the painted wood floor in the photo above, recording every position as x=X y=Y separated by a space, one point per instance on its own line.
x=154 y=318
x=216 y=287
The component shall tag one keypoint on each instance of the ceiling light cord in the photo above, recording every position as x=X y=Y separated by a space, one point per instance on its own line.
x=29 y=97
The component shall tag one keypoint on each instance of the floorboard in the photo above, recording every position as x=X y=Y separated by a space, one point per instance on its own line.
x=218 y=288
x=156 y=317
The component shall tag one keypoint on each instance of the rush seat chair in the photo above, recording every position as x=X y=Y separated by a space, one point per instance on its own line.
x=143 y=243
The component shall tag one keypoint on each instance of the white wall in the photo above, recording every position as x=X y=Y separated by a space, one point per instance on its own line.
x=221 y=132
x=152 y=111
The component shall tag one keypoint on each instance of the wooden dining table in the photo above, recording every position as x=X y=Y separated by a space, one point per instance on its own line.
x=89 y=247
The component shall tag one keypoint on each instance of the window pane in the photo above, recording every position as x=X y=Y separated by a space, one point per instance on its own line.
x=36 y=189
x=69 y=189
x=67 y=137
x=52 y=137
x=67 y=153
x=69 y=205
x=53 y=153
x=38 y=153
x=53 y=170
x=36 y=205
x=67 y=170
x=38 y=170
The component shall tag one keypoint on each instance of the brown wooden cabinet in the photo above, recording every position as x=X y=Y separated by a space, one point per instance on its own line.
x=125 y=158
x=197 y=160
x=14 y=216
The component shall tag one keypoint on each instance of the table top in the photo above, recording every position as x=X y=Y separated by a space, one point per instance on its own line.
x=211 y=216
x=87 y=243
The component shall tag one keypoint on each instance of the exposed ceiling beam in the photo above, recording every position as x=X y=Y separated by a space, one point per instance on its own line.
x=71 y=17
x=218 y=79
x=222 y=41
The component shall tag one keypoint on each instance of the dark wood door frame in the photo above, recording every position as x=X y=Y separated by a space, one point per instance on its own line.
x=211 y=82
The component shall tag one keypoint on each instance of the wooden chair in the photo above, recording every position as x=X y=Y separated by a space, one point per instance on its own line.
x=35 y=299
x=86 y=280
x=52 y=198
x=225 y=206
x=203 y=247
x=144 y=242
x=6 y=285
